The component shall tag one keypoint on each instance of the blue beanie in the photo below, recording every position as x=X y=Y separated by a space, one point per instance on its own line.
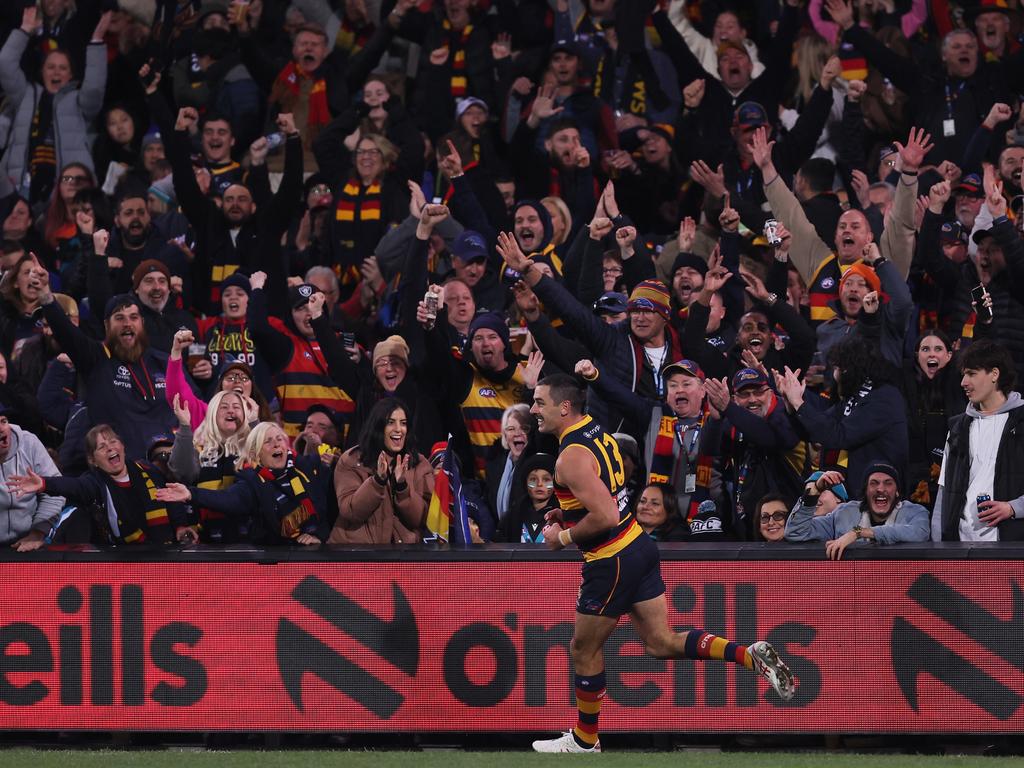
x=491 y=321
x=838 y=489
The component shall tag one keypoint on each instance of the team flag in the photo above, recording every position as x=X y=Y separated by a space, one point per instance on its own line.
x=447 y=518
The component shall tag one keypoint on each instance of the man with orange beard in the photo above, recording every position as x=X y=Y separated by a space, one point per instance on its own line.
x=123 y=376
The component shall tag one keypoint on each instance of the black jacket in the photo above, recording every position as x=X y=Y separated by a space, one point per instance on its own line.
x=1009 y=474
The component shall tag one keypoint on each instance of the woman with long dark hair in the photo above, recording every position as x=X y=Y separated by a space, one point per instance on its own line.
x=657 y=512
x=383 y=484
x=867 y=423
x=931 y=388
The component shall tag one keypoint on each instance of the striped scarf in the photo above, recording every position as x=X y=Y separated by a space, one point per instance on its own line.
x=352 y=40
x=294 y=506
x=288 y=88
x=457 y=56
x=664 y=463
x=356 y=206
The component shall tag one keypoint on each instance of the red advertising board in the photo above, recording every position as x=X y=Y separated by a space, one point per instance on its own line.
x=877 y=646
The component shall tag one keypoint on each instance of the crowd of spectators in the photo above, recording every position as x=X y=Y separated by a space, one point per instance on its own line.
x=268 y=264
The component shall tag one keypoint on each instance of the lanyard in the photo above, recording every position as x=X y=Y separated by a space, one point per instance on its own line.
x=951 y=97
x=692 y=432
x=135 y=379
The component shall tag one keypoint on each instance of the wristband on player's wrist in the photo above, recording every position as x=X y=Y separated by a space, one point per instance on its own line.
x=565 y=537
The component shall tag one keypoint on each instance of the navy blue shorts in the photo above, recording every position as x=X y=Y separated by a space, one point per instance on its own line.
x=612 y=585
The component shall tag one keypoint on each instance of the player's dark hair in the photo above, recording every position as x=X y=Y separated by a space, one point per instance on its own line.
x=565 y=388
x=985 y=355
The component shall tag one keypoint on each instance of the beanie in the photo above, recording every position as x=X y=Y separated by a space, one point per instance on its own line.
x=651 y=295
x=691 y=260
x=839 y=489
x=120 y=301
x=392 y=346
x=491 y=321
x=866 y=272
x=238 y=280
x=542 y=214
x=147 y=266
x=884 y=468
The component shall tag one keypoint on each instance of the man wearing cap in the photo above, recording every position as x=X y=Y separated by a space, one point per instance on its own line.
x=942 y=249
x=881 y=517
x=24 y=520
x=760 y=450
x=820 y=266
x=612 y=307
x=991 y=20
x=873 y=301
x=675 y=432
x=302 y=368
x=968 y=197
x=124 y=377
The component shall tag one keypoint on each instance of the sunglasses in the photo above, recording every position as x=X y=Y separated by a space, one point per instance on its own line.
x=72 y=179
x=778 y=517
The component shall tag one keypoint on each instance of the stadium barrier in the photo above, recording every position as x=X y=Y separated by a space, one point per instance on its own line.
x=925 y=639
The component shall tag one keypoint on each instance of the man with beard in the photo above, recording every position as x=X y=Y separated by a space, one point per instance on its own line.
x=983 y=454
x=820 y=266
x=882 y=517
x=135 y=239
x=124 y=377
x=24 y=520
x=232 y=237
x=563 y=170
x=760 y=452
x=151 y=282
x=678 y=437
x=968 y=196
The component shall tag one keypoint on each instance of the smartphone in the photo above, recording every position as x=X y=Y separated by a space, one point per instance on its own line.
x=978 y=294
x=348 y=340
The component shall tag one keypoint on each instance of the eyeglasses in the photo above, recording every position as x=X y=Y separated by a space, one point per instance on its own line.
x=237 y=378
x=321 y=189
x=368 y=152
x=74 y=179
x=611 y=271
x=778 y=517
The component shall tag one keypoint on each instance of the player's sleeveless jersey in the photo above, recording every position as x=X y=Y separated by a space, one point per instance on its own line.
x=587 y=435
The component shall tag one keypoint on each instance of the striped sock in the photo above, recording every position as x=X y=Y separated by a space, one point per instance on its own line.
x=704 y=645
x=589 y=692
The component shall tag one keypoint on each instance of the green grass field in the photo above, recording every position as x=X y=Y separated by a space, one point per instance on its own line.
x=697 y=758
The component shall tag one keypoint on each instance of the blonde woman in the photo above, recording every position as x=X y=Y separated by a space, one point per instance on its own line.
x=277 y=498
x=208 y=458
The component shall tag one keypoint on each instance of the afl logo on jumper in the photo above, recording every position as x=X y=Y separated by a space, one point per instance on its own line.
x=486 y=392
x=827 y=284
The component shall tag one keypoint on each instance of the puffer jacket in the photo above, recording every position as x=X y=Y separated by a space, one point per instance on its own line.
x=75 y=107
x=35 y=511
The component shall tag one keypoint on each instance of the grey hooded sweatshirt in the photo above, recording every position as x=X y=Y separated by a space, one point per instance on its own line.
x=32 y=512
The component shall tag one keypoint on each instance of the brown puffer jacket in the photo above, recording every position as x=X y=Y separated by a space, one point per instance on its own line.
x=372 y=514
